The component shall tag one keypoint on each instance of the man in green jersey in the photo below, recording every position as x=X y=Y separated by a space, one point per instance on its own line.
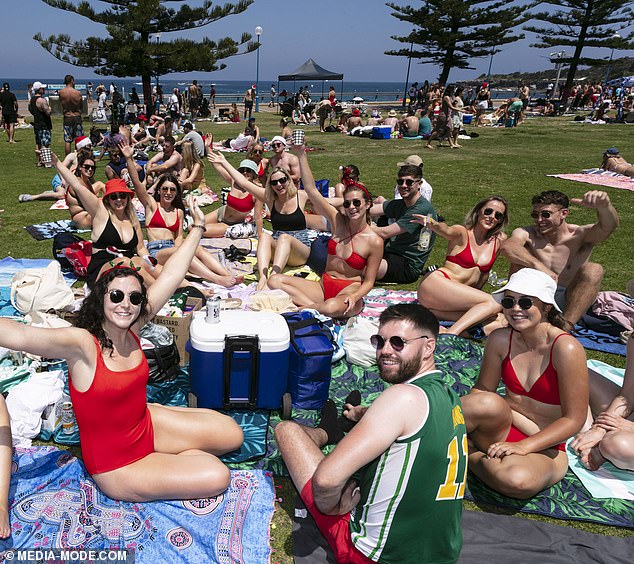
x=391 y=490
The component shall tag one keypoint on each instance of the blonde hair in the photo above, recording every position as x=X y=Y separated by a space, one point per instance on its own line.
x=269 y=194
x=190 y=156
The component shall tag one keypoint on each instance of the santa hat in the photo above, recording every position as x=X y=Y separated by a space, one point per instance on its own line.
x=82 y=141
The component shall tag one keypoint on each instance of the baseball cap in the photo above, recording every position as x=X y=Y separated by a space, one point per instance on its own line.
x=356 y=112
x=37 y=85
x=411 y=160
x=247 y=163
x=82 y=141
x=530 y=282
x=612 y=151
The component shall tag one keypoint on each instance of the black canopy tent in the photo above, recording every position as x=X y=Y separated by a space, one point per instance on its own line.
x=310 y=70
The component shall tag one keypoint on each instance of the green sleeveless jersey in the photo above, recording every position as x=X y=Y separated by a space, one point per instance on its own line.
x=411 y=495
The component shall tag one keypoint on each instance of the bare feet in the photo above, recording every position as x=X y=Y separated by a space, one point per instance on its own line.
x=262 y=284
x=429 y=147
x=592 y=459
x=5 y=527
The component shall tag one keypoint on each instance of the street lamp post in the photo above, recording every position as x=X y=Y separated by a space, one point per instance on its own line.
x=614 y=39
x=409 y=64
x=490 y=64
x=157 y=103
x=258 y=32
x=558 y=60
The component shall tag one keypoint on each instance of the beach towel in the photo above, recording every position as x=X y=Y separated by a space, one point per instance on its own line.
x=599 y=177
x=9 y=266
x=55 y=504
x=487 y=537
x=595 y=341
x=41 y=231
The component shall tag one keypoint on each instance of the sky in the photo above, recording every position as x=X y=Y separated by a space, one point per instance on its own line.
x=347 y=36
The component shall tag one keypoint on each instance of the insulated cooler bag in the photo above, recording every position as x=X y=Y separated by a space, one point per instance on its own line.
x=309 y=365
x=240 y=362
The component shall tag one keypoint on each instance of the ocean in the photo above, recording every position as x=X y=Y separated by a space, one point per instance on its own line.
x=228 y=91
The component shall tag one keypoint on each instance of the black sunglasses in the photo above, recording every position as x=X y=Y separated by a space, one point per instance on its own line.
x=541 y=214
x=116 y=297
x=168 y=188
x=279 y=181
x=498 y=215
x=118 y=196
x=407 y=181
x=356 y=203
x=89 y=167
x=524 y=302
x=397 y=343
x=276 y=145
x=257 y=151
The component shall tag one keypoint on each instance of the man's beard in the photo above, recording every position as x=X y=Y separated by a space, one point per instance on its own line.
x=400 y=372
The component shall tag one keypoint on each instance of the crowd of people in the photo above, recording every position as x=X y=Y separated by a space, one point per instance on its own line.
x=418 y=429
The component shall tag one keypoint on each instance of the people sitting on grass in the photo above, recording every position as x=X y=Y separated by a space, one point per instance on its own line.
x=519 y=440
x=134 y=451
x=165 y=214
x=454 y=291
x=403 y=461
x=611 y=437
x=282 y=159
x=286 y=204
x=354 y=252
x=192 y=175
x=167 y=160
x=562 y=250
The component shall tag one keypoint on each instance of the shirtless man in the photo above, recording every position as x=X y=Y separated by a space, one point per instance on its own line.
x=409 y=124
x=562 y=250
x=283 y=159
x=71 y=101
x=354 y=120
x=195 y=94
x=171 y=160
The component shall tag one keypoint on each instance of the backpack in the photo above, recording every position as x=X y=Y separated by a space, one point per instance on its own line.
x=309 y=364
x=60 y=242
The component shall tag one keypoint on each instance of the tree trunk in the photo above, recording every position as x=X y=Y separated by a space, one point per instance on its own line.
x=147 y=93
x=574 y=63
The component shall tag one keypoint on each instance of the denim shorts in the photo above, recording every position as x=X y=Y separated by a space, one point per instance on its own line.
x=155 y=246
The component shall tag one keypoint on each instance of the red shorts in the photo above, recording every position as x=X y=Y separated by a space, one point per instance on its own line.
x=515 y=436
x=335 y=528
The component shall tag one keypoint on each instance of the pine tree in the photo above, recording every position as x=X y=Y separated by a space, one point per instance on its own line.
x=132 y=24
x=583 y=23
x=451 y=33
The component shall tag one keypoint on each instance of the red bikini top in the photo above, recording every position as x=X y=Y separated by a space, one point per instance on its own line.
x=465 y=258
x=158 y=222
x=355 y=260
x=545 y=388
x=244 y=205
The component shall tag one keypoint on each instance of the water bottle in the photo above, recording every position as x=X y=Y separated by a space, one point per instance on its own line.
x=424 y=239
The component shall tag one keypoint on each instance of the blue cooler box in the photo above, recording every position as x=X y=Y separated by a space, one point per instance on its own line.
x=241 y=362
x=381 y=132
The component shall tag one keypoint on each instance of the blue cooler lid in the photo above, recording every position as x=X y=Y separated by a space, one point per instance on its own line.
x=270 y=327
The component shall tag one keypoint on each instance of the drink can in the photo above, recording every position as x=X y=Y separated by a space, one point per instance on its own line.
x=45 y=153
x=68 y=418
x=213 y=310
x=298 y=137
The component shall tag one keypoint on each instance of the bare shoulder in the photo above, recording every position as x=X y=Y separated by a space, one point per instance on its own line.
x=567 y=347
x=524 y=234
x=497 y=342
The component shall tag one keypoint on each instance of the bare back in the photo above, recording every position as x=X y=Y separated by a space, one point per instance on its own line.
x=71 y=101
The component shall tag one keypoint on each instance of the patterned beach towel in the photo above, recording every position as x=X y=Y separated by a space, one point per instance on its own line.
x=41 y=231
x=55 y=504
x=600 y=177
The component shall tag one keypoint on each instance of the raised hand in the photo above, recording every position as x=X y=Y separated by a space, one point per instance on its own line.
x=593 y=199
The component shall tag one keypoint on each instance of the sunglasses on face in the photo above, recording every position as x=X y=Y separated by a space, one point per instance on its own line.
x=280 y=181
x=88 y=167
x=118 y=196
x=257 y=151
x=397 y=343
x=524 y=302
x=356 y=203
x=168 y=188
x=498 y=215
x=276 y=145
x=407 y=181
x=116 y=297
x=541 y=215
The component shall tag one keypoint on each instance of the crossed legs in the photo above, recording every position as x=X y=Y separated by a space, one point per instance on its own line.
x=184 y=465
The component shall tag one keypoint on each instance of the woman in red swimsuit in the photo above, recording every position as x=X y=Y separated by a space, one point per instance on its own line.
x=164 y=215
x=519 y=439
x=134 y=451
x=354 y=252
x=453 y=292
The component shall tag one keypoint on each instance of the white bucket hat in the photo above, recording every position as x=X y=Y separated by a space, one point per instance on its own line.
x=530 y=282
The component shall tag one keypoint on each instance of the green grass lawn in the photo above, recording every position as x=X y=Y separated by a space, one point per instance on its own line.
x=510 y=162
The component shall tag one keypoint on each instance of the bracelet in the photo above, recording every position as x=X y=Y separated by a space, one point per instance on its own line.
x=199 y=227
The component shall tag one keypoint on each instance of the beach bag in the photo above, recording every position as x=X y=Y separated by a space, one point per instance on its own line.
x=162 y=357
x=356 y=341
x=309 y=364
x=40 y=289
x=60 y=242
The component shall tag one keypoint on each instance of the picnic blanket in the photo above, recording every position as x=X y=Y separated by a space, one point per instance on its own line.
x=488 y=537
x=55 y=504
x=600 y=177
x=41 y=231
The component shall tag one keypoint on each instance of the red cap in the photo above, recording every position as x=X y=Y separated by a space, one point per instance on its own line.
x=356 y=112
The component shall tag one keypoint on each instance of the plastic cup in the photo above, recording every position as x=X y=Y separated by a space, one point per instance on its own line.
x=45 y=154
x=298 y=137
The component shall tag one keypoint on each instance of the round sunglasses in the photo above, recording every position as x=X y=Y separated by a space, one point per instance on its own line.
x=280 y=181
x=524 y=302
x=498 y=215
x=116 y=297
x=356 y=203
x=397 y=343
